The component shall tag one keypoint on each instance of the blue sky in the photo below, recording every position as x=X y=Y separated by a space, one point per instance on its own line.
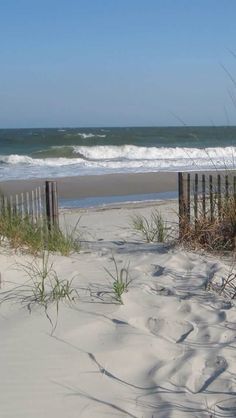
x=117 y=62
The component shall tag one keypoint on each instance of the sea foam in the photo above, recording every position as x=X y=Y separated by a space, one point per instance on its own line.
x=132 y=152
x=116 y=159
x=85 y=136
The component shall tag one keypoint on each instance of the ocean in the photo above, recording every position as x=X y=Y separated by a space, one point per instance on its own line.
x=59 y=152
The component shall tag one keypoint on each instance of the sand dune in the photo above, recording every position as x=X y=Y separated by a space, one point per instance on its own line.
x=167 y=352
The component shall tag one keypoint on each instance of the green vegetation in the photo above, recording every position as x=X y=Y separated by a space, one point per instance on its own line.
x=217 y=234
x=153 y=229
x=45 y=284
x=35 y=237
x=43 y=288
x=120 y=280
x=225 y=286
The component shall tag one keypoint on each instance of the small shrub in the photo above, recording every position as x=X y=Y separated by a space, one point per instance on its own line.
x=121 y=280
x=153 y=229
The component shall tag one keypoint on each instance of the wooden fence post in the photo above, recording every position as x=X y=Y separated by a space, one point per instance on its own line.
x=184 y=203
x=22 y=206
x=219 y=195
x=41 y=214
x=234 y=188
x=226 y=187
x=196 y=199
x=188 y=199
x=51 y=204
x=211 y=197
x=204 y=195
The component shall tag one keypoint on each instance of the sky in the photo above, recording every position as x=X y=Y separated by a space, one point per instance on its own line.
x=117 y=63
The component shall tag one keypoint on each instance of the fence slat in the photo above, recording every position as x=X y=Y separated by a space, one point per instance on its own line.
x=219 y=195
x=180 y=187
x=36 y=205
x=11 y=205
x=41 y=215
x=215 y=190
x=235 y=188
x=27 y=204
x=226 y=187
x=5 y=204
x=48 y=198
x=33 y=205
x=55 y=204
x=188 y=199
x=22 y=206
x=204 y=196
x=211 y=198
x=51 y=199
x=17 y=204
x=196 y=198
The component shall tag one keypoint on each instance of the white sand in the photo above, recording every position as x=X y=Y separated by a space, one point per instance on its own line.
x=168 y=351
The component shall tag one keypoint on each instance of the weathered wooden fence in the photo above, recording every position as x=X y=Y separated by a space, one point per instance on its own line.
x=38 y=205
x=203 y=195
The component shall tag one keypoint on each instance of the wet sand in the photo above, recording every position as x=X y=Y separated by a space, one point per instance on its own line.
x=100 y=185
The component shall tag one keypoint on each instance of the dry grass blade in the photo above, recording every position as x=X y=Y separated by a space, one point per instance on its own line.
x=217 y=234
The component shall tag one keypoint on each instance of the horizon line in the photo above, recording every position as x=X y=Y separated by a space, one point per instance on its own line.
x=118 y=127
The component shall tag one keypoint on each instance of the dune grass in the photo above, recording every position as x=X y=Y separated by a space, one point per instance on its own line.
x=225 y=286
x=46 y=286
x=120 y=279
x=43 y=287
x=217 y=234
x=22 y=233
x=153 y=229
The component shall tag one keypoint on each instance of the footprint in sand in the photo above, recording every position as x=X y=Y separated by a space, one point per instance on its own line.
x=185 y=308
x=205 y=371
x=191 y=371
x=175 y=331
x=158 y=289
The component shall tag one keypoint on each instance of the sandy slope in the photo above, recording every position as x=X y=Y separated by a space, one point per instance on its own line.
x=168 y=351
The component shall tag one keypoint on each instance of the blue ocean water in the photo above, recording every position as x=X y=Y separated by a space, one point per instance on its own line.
x=34 y=153
x=88 y=202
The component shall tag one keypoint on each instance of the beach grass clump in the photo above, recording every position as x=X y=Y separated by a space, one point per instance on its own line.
x=22 y=233
x=120 y=279
x=217 y=233
x=153 y=229
x=62 y=242
x=224 y=285
x=45 y=284
x=44 y=287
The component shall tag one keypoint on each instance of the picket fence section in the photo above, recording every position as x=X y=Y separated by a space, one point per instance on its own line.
x=203 y=195
x=38 y=205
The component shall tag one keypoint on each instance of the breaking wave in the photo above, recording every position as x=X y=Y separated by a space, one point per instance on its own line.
x=84 y=160
x=85 y=136
x=132 y=152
